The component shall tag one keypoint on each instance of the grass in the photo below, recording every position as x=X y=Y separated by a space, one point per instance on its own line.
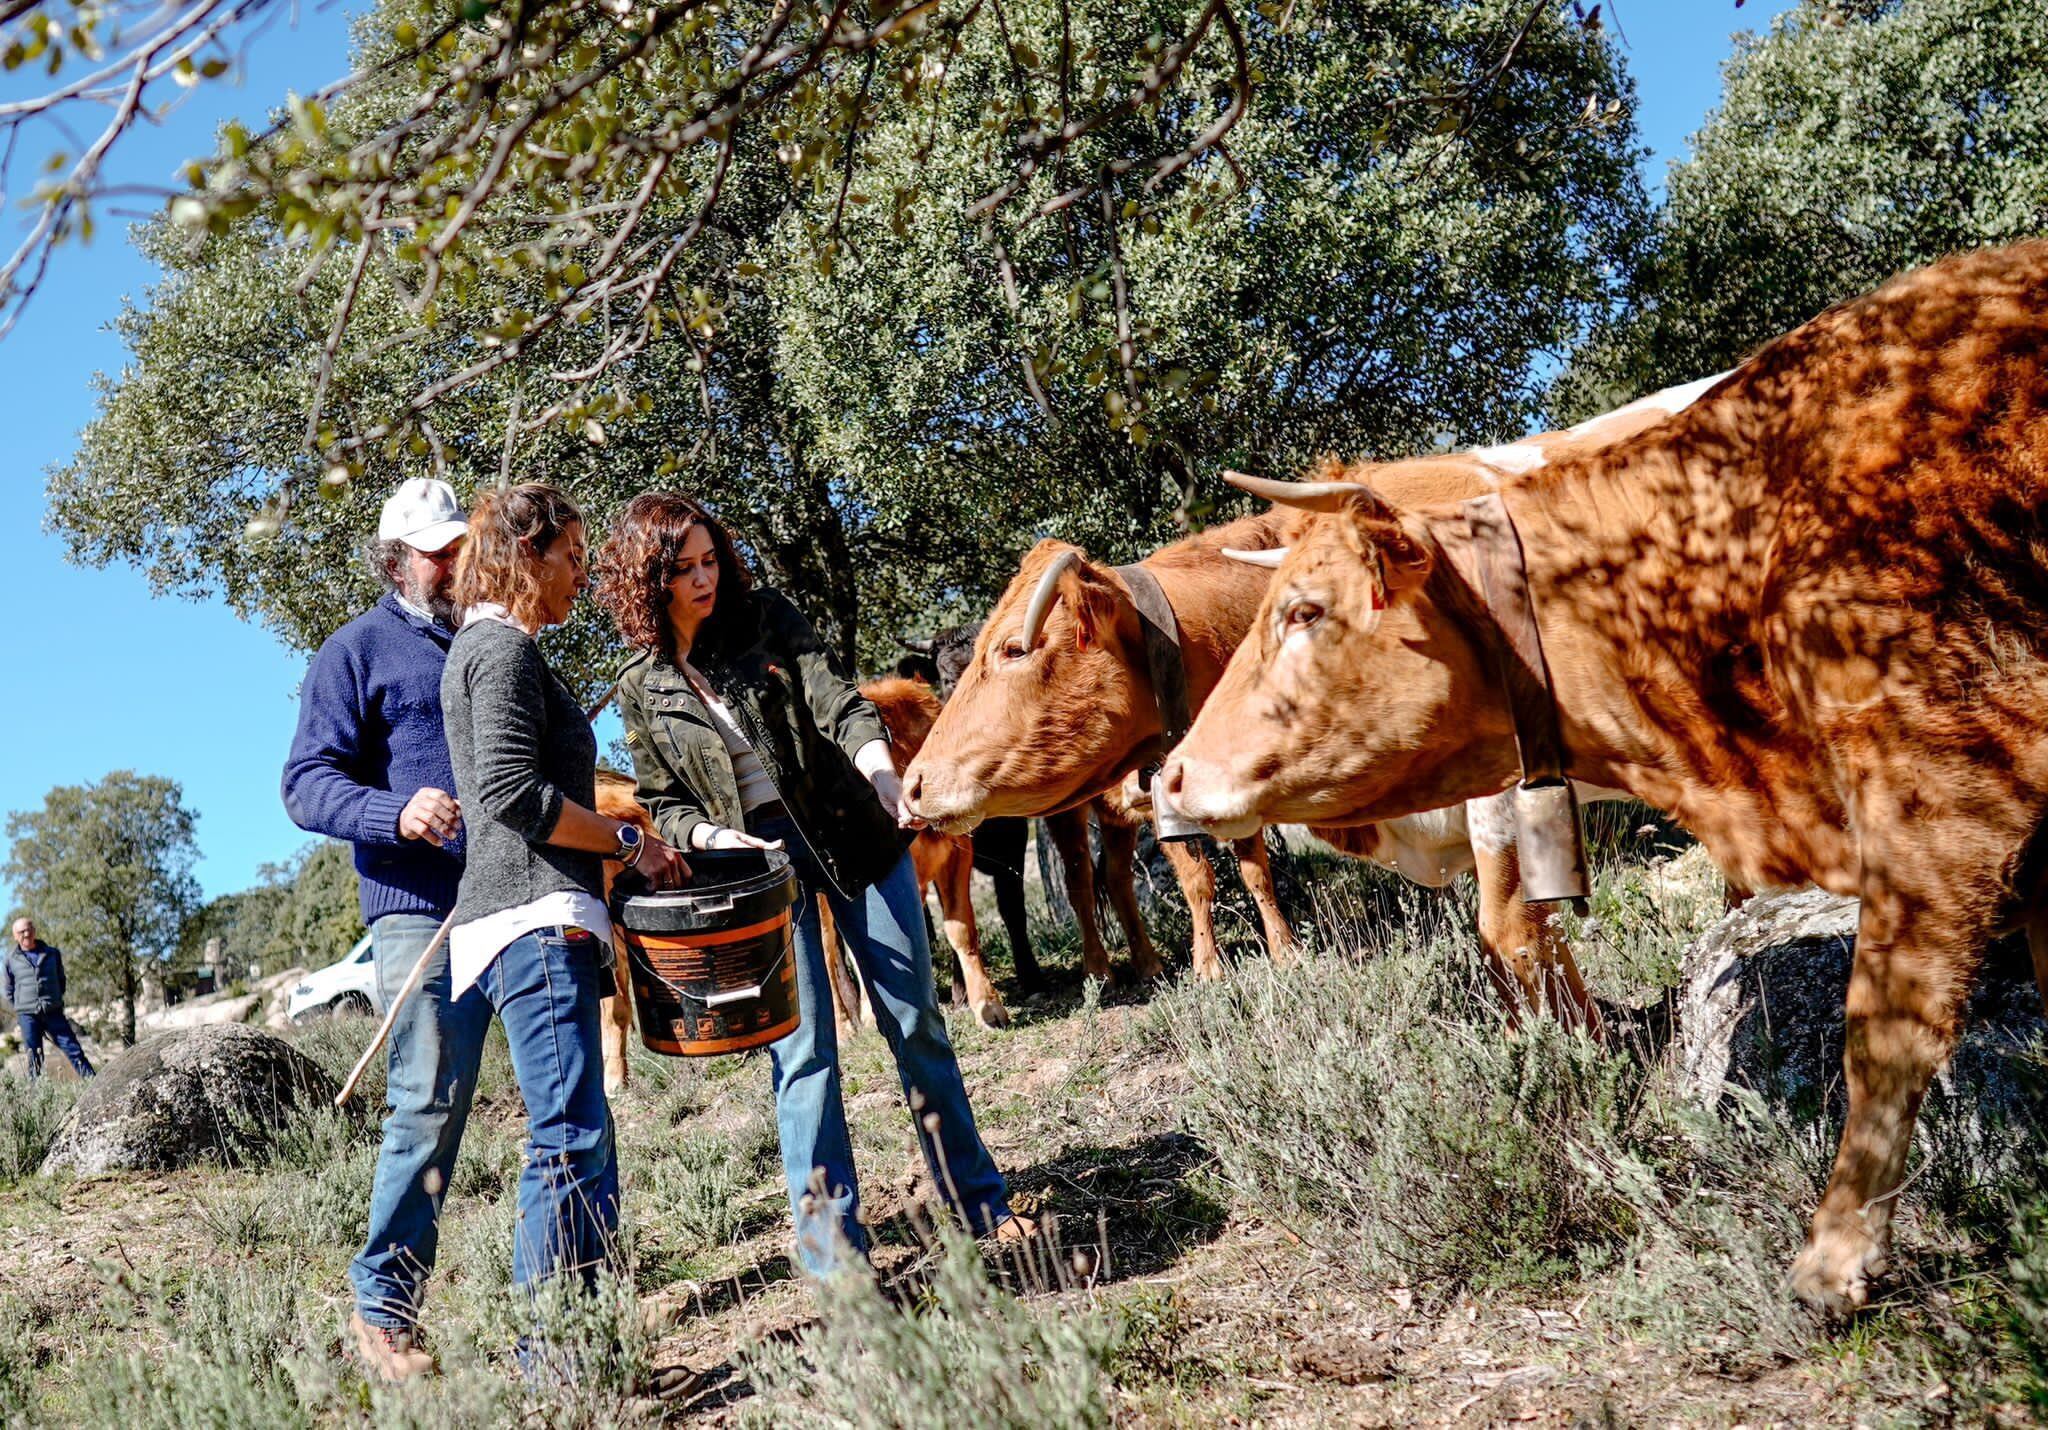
x=31 y=1110
x=963 y=1352
x=1349 y=1153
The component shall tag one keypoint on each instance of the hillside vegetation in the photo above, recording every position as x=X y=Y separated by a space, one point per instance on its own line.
x=1335 y=1194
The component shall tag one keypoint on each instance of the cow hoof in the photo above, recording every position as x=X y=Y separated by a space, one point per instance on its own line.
x=1210 y=972
x=614 y=1081
x=992 y=1014
x=1833 y=1273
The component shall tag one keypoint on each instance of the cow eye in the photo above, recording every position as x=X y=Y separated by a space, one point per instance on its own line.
x=1300 y=615
x=1015 y=649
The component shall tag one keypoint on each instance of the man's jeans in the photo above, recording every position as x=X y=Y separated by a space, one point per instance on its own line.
x=53 y=1022
x=434 y=1051
x=545 y=987
x=884 y=925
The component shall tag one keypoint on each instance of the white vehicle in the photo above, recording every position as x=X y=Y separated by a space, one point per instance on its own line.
x=346 y=986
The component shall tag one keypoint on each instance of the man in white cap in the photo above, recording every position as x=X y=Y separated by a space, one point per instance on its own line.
x=369 y=764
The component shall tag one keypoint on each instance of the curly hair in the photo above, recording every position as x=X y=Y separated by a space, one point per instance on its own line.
x=510 y=530
x=638 y=562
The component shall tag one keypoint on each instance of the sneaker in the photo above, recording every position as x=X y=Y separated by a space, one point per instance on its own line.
x=388 y=1355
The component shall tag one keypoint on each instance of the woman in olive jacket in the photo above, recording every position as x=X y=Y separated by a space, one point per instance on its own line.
x=745 y=731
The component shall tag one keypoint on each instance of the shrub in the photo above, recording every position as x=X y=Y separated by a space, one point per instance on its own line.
x=1383 y=1110
x=31 y=1110
x=1721 y=1199
x=701 y=1190
x=237 y=1343
x=967 y=1354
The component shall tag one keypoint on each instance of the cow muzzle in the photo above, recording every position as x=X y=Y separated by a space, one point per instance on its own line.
x=945 y=802
x=1208 y=795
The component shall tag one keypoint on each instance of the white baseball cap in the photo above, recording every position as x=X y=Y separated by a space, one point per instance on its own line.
x=423 y=513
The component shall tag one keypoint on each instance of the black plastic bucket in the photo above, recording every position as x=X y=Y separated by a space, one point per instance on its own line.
x=712 y=964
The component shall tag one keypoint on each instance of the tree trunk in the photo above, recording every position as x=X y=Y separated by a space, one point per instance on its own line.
x=127 y=1001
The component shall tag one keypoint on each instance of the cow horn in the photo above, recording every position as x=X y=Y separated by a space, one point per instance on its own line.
x=1270 y=558
x=1042 y=598
x=923 y=647
x=1311 y=496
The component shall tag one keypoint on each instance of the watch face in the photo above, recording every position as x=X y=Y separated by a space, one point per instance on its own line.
x=629 y=836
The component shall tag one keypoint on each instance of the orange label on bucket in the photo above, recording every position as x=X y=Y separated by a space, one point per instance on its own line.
x=706 y=940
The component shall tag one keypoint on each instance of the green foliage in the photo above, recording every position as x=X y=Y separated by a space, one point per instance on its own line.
x=304 y=913
x=1852 y=142
x=966 y=1353
x=236 y=1349
x=1379 y=1109
x=838 y=414
x=1262 y=290
x=30 y=1114
x=107 y=870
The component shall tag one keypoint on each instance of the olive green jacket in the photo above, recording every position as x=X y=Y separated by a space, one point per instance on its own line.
x=803 y=717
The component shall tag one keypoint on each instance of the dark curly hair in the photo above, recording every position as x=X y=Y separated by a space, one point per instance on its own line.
x=510 y=530
x=638 y=561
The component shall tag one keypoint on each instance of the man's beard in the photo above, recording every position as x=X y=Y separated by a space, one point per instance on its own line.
x=435 y=601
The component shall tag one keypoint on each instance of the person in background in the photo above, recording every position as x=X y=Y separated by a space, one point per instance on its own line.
x=745 y=732
x=369 y=765
x=530 y=934
x=34 y=984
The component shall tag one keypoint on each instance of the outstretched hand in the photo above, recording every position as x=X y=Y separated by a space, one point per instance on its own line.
x=722 y=838
x=889 y=790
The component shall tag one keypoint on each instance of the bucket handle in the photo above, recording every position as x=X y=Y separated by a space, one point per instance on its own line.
x=731 y=995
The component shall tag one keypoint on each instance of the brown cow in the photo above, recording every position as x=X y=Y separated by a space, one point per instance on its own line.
x=942 y=861
x=616 y=799
x=1032 y=726
x=1808 y=616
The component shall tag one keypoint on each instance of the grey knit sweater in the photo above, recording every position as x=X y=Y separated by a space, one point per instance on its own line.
x=520 y=746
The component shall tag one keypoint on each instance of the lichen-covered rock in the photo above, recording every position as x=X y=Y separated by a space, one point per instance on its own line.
x=207 y=1094
x=1761 y=1006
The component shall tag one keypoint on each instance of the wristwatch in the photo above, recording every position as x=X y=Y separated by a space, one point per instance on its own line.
x=631 y=842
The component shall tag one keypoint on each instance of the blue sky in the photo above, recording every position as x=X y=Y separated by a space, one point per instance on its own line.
x=106 y=677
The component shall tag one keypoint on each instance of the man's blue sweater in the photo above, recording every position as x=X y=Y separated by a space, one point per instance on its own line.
x=369 y=738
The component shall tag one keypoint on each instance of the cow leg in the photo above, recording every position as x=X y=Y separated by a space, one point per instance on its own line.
x=1255 y=868
x=1069 y=832
x=2037 y=944
x=615 y=1025
x=847 y=994
x=1526 y=954
x=1198 y=886
x=953 y=875
x=1120 y=869
x=1916 y=957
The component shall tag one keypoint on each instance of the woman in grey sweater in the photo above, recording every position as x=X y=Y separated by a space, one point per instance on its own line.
x=530 y=931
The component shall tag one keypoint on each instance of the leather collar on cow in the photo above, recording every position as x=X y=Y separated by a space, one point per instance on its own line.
x=1552 y=851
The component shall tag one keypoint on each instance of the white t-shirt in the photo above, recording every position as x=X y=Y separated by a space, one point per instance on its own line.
x=756 y=789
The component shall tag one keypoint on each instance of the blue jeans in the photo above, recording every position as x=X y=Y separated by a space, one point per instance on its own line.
x=434 y=1050
x=53 y=1022
x=545 y=987
x=884 y=925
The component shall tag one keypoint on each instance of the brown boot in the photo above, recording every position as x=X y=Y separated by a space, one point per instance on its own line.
x=388 y=1355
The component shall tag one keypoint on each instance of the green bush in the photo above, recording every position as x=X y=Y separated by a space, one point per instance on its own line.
x=237 y=1342
x=1721 y=1200
x=1382 y=1110
x=966 y=1354
x=702 y=1190
x=31 y=1110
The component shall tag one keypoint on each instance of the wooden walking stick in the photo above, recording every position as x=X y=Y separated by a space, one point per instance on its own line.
x=405 y=991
